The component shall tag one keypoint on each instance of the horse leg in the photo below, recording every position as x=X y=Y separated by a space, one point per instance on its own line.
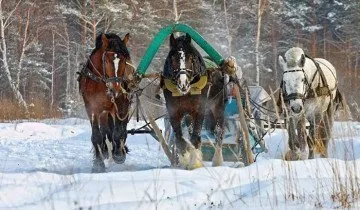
x=106 y=127
x=97 y=141
x=311 y=138
x=119 y=140
x=326 y=133
x=195 y=139
x=292 y=141
x=182 y=147
x=302 y=138
x=219 y=136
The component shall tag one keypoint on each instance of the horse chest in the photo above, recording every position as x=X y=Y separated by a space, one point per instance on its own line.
x=316 y=106
x=184 y=104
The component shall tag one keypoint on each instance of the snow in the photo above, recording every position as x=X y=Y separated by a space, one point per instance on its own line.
x=47 y=165
x=313 y=28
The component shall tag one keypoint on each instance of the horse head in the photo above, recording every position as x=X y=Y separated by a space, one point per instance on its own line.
x=117 y=69
x=184 y=64
x=295 y=82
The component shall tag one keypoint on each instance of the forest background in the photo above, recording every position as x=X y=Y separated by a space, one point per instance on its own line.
x=43 y=43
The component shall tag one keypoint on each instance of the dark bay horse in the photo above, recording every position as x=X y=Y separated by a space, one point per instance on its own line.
x=186 y=91
x=105 y=84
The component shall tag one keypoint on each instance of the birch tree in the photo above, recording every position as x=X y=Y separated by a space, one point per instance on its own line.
x=5 y=21
x=261 y=9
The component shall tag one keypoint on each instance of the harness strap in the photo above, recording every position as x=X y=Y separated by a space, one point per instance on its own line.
x=320 y=90
x=85 y=72
x=195 y=88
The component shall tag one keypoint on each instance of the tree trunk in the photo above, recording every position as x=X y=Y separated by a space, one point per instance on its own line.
x=53 y=72
x=274 y=40
x=261 y=8
x=17 y=95
x=84 y=29
x=22 y=50
x=313 y=44
x=176 y=14
x=325 y=31
x=68 y=67
x=94 y=22
x=313 y=34
x=228 y=36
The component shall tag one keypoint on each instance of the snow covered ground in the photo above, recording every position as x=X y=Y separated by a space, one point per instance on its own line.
x=47 y=165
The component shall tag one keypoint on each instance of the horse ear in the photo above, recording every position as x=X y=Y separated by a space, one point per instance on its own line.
x=172 y=40
x=105 y=41
x=126 y=38
x=188 y=38
x=282 y=62
x=302 y=61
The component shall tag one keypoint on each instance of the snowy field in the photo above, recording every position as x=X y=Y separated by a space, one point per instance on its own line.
x=47 y=165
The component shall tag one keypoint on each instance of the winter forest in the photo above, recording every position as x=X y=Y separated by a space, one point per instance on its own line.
x=54 y=156
x=44 y=42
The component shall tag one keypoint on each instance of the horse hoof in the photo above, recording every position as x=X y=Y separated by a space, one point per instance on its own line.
x=290 y=156
x=295 y=155
x=189 y=162
x=195 y=159
x=195 y=166
x=218 y=157
x=98 y=167
x=119 y=159
x=184 y=159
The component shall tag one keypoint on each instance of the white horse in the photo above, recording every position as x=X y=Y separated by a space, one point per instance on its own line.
x=309 y=91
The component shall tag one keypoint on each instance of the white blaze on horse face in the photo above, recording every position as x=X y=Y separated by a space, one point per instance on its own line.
x=182 y=59
x=294 y=83
x=183 y=84
x=116 y=64
x=182 y=80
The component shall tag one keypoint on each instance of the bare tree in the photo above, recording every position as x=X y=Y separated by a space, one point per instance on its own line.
x=228 y=35
x=261 y=9
x=5 y=20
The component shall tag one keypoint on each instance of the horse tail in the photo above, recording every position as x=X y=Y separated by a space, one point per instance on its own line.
x=339 y=100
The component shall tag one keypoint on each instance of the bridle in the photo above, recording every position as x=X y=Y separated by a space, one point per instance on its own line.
x=115 y=78
x=188 y=72
x=307 y=86
x=104 y=77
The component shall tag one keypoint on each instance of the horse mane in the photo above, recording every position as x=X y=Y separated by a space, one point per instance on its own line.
x=115 y=44
x=292 y=56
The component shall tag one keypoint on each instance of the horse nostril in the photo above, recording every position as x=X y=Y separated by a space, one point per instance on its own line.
x=296 y=109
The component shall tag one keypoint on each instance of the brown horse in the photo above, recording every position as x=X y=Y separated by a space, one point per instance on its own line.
x=188 y=95
x=105 y=83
